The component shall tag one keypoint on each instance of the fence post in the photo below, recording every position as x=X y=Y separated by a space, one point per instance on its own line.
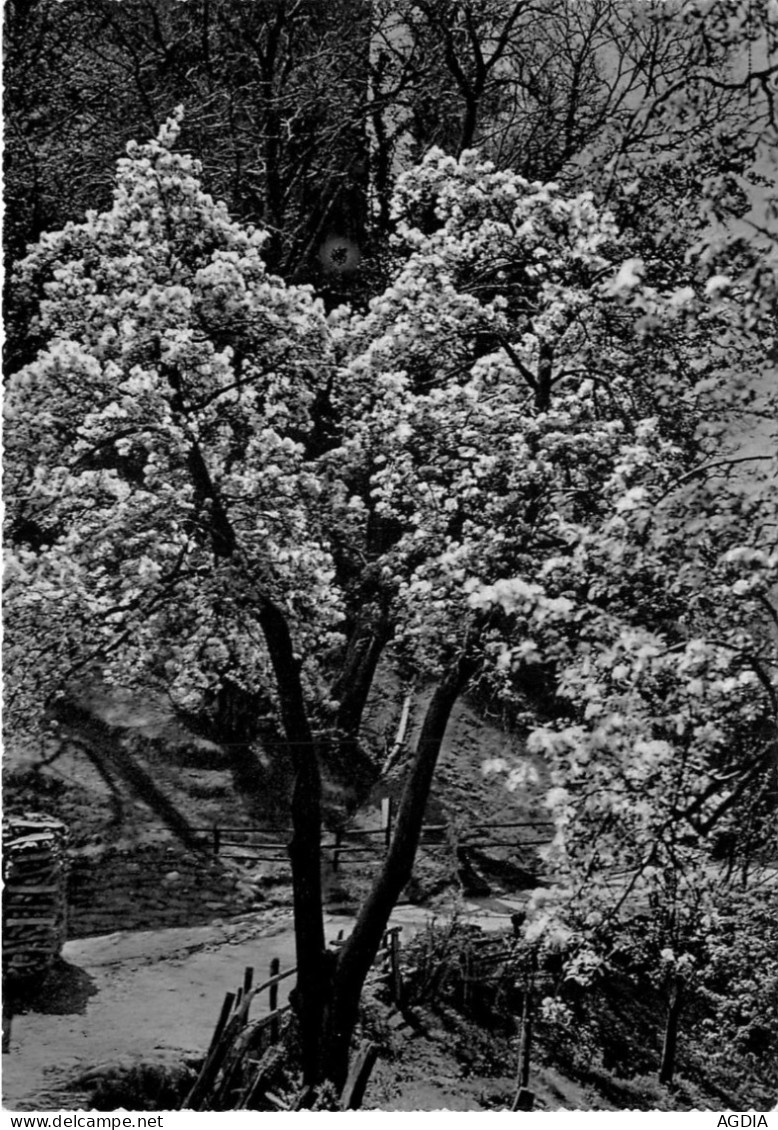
x=525 y=1035
x=667 y=1064
x=466 y=978
x=217 y=839
x=275 y=969
x=386 y=820
x=397 y=977
x=525 y=1100
x=224 y=1015
x=358 y=1076
x=396 y=749
x=336 y=852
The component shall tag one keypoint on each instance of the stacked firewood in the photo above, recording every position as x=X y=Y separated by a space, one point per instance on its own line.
x=34 y=898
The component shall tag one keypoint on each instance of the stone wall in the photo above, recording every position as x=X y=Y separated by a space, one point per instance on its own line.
x=150 y=888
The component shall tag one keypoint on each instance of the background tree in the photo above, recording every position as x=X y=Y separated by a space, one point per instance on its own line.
x=299 y=111
x=276 y=113
x=551 y=90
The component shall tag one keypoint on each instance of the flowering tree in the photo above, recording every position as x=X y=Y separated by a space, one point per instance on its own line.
x=662 y=752
x=740 y=987
x=661 y=672
x=212 y=483
x=166 y=510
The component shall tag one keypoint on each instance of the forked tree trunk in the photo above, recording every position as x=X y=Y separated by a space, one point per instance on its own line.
x=357 y=955
x=329 y=987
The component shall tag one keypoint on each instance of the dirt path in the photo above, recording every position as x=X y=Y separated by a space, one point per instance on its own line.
x=155 y=995
x=127 y=997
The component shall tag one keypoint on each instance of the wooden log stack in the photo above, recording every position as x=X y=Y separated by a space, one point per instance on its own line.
x=34 y=896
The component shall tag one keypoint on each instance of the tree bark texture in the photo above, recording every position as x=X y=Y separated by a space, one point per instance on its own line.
x=313 y=961
x=353 y=687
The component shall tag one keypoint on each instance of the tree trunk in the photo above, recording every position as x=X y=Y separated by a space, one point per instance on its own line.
x=544 y=376
x=358 y=954
x=362 y=658
x=314 y=964
x=382 y=162
x=667 y=1065
x=469 y=122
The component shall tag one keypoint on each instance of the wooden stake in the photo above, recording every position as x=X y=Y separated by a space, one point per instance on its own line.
x=275 y=966
x=358 y=1076
x=304 y=1100
x=397 y=977
x=399 y=740
x=386 y=820
x=525 y=1100
x=525 y=1041
x=215 y=1056
x=667 y=1065
x=265 y=1070
x=229 y=1001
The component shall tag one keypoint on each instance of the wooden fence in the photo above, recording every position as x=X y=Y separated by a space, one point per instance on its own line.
x=243 y=1055
x=270 y=844
x=239 y=1064
x=224 y=1061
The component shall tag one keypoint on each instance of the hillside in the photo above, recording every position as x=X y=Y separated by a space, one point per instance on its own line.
x=141 y=793
x=160 y=929
x=124 y=1021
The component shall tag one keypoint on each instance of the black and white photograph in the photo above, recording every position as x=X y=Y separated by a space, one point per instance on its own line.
x=390 y=603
